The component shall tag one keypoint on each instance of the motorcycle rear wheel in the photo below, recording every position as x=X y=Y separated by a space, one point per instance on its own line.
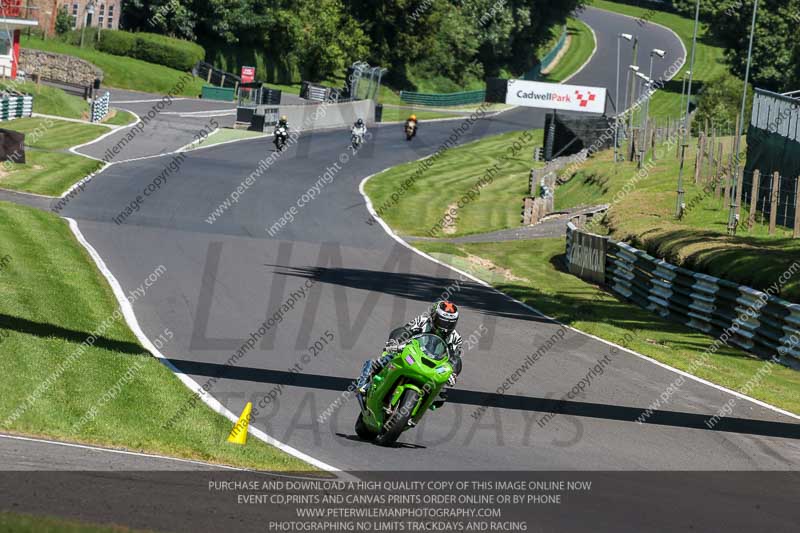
x=398 y=422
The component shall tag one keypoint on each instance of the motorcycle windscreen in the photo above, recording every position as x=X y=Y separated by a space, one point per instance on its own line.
x=433 y=346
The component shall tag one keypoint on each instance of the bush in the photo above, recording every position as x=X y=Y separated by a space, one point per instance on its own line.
x=63 y=20
x=719 y=101
x=73 y=37
x=150 y=47
x=168 y=51
x=118 y=43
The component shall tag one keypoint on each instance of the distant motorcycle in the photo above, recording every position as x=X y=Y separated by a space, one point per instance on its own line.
x=411 y=129
x=356 y=140
x=281 y=136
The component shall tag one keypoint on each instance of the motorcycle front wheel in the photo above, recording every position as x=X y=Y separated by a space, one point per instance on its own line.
x=363 y=432
x=398 y=422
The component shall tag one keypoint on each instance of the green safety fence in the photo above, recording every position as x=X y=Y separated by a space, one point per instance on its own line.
x=446 y=99
x=226 y=94
x=536 y=72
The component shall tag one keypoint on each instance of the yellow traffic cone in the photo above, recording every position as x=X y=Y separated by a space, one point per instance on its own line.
x=239 y=432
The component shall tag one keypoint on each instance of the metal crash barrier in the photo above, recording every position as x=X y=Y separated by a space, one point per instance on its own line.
x=755 y=321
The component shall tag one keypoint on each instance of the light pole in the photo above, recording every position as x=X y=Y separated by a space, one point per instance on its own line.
x=655 y=52
x=683 y=88
x=88 y=12
x=679 y=202
x=646 y=85
x=634 y=61
x=627 y=37
x=733 y=218
x=629 y=109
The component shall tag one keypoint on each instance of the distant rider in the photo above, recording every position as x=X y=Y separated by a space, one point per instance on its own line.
x=282 y=123
x=440 y=320
x=411 y=122
x=359 y=129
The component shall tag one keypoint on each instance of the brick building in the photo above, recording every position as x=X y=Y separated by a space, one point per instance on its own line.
x=94 y=13
x=104 y=14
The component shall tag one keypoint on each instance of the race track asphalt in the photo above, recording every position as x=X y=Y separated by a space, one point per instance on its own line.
x=225 y=278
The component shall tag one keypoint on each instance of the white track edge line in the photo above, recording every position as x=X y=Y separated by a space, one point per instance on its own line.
x=208 y=399
x=397 y=238
x=117 y=451
x=594 y=51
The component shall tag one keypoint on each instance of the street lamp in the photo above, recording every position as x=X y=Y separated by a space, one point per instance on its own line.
x=683 y=87
x=646 y=86
x=630 y=83
x=627 y=37
x=679 y=203
x=88 y=12
x=733 y=218
x=655 y=52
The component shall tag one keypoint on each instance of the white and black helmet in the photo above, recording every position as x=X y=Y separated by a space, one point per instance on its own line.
x=445 y=316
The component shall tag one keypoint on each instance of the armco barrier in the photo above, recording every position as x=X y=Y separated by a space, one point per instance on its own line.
x=755 y=321
x=445 y=99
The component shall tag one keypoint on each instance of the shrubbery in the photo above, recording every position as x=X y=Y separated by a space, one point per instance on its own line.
x=719 y=101
x=150 y=47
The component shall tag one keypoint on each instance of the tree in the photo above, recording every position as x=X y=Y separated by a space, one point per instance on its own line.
x=719 y=102
x=63 y=20
x=776 y=50
x=446 y=43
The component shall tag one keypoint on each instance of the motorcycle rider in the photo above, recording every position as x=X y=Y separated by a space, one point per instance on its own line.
x=441 y=320
x=359 y=129
x=411 y=121
x=282 y=123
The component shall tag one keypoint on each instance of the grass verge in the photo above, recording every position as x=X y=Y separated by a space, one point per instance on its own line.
x=47 y=173
x=122 y=72
x=22 y=523
x=52 y=300
x=51 y=101
x=48 y=168
x=52 y=134
x=119 y=117
x=550 y=289
x=642 y=213
x=452 y=176
x=708 y=62
x=581 y=47
x=401 y=113
x=227 y=134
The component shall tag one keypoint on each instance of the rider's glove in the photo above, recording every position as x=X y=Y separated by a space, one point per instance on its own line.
x=392 y=346
x=451 y=381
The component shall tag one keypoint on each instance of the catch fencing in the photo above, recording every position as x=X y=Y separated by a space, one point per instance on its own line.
x=757 y=322
x=15 y=106
x=773 y=147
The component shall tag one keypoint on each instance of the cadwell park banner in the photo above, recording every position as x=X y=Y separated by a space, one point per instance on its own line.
x=587 y=257
x=556 y=96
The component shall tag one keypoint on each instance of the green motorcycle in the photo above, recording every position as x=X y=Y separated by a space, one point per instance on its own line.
x=404 y=389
